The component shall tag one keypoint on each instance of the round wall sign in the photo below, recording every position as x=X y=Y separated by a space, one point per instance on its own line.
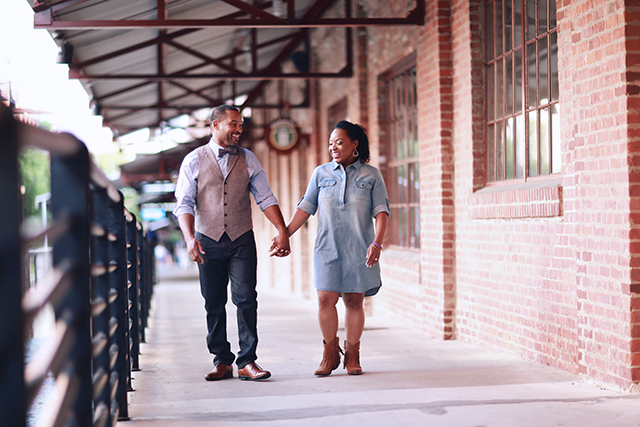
x=283 y=135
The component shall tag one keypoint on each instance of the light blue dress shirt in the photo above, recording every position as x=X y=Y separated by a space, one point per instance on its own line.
x=187 y=186
x=346 y=202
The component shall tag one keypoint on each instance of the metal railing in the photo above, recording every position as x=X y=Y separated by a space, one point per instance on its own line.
x=99 y=286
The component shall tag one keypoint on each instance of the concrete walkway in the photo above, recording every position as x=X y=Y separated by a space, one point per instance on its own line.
x=410 y=379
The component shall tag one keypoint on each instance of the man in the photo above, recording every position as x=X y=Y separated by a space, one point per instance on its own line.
x=214 y=213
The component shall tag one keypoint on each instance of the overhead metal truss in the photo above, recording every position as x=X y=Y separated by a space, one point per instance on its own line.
x=226 y=62
x=254 y=17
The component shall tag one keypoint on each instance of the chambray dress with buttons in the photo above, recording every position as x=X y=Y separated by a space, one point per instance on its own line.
x=346 y=201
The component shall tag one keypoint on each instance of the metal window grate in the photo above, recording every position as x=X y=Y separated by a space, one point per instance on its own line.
x=403 y=178
x=523 y=118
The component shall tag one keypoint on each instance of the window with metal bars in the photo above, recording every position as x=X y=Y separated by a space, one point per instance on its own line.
x=402 y=167
x=523 y=117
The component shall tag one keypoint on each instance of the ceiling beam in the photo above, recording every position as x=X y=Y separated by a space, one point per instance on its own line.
x=160 y=107
x=248 y=76
x=50 y=24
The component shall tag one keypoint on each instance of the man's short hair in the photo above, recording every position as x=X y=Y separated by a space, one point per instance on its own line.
x=220 y=112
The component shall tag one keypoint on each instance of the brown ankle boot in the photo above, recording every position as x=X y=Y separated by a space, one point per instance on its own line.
x=330 y=358
x=352 y=358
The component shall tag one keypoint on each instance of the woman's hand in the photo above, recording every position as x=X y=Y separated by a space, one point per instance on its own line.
x=373 y=255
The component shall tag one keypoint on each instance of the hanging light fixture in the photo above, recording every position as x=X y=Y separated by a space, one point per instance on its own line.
x=278 y=8
x=65 y=50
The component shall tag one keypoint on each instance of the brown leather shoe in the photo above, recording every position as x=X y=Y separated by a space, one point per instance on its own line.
x=253 y=372
x=220 y=372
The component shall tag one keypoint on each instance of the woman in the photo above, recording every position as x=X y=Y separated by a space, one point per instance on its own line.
x=347 y=193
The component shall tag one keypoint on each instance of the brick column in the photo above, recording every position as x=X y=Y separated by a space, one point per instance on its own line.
x=437 y=215
x=362 y=69
x=632 y=80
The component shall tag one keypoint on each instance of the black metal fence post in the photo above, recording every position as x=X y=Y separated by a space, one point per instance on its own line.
x=144 y=277
x=119 y=308
x=70 y=198
x=149 y=254
x=134 y=291
x=12 y=395
x=100 y=303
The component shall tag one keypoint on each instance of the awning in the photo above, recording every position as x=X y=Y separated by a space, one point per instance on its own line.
x=144 y=62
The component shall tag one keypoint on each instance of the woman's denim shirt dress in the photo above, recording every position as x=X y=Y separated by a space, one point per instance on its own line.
x=346 y=205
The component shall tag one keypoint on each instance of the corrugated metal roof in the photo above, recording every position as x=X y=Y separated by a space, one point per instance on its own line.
x=146 y=61
x=128 y=104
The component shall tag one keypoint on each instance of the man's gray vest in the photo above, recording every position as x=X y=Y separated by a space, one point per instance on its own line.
x=222 y=202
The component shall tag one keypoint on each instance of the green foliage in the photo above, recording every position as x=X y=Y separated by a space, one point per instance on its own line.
x=35 y=176
x=46 y=126
x=130 y=197
x=109 y=162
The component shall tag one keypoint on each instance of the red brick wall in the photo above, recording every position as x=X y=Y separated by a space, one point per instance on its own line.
x=596 y=183
x=545 y=270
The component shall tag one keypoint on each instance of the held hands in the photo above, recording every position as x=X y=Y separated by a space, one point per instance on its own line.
x=194 y=247
x=280 y=246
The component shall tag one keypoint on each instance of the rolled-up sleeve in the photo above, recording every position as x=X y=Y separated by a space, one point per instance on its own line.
x=379 y=197
x=258 y=184
x=187 y=185
x=309 y=202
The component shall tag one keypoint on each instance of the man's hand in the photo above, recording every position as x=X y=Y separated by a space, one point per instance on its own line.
x=195 y=249
x=280 y=246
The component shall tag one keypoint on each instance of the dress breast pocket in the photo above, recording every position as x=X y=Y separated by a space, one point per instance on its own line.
x=362 y=189
x=327 y=188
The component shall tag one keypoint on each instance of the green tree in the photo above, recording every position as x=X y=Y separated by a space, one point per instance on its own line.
x=35 y=177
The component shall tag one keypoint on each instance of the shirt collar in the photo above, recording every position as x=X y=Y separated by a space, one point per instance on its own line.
x=357 y=164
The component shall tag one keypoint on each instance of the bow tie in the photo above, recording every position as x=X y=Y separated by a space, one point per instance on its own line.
x=231 y=150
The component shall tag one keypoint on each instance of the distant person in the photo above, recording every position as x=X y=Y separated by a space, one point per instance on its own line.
x=348 y=194
x=171 y=248
x=214 y=213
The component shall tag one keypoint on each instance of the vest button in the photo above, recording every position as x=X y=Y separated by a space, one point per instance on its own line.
x=225 y=214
